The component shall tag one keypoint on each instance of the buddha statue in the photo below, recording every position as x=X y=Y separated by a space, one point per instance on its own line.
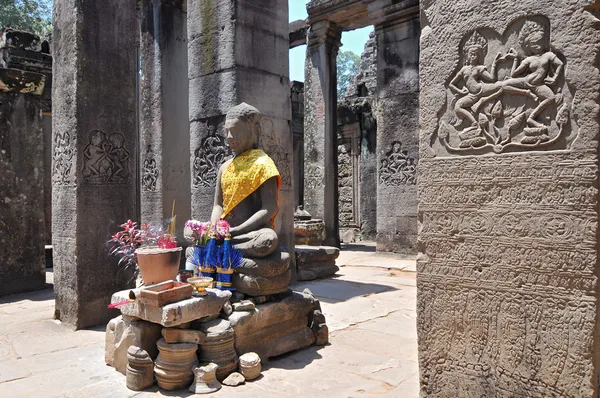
x=247 y=196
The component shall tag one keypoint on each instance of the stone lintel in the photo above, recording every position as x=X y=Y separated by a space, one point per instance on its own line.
x=298 y=33
x=13 y=38
x=176 y=313
x=383 y=15
x=19 y=81
x=324 y=32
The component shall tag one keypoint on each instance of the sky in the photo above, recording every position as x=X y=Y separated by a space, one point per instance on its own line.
x=351 y=41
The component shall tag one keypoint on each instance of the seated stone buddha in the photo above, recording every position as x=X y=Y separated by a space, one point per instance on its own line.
x=247 y=196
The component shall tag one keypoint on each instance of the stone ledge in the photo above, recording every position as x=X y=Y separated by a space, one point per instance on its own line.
x=176 y=313
x=18 y=81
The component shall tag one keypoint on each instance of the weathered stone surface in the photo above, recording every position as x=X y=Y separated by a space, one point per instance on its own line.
x=261 y=285
x=273 y=265
x=139 y=374
x=245 y=305
x=174 y=335
x=298 y=31
x=174 y=365
x=508 y=201
x=21 y=189
x=297 y=99
x=218 y=347
x=316 y=262
x=94 y=130
x=121 y=334
x=275 y=328
x=233 y=380
x=309 y=232
x=164 y=125
x=205 y=380
x=250 y=365
x=227 y=308
x=320 y=125
x=176 y=313
x=18 y=81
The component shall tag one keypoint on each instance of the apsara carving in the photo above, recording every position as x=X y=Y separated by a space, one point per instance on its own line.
x=397 y=168
x=150 y=171
x=105 y=160
x=208 y=157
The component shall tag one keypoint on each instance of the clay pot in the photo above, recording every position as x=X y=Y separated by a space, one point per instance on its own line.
x=158 y=265
x=174 y=366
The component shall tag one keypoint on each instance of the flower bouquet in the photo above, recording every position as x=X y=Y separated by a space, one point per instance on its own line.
x=214 y=255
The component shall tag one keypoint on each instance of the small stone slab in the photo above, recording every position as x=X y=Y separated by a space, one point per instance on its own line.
x=244 y=305
x=174 y=335
x=234 y=380
x=177 y=313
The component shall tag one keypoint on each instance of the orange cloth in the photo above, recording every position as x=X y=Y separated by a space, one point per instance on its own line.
x=244 y=175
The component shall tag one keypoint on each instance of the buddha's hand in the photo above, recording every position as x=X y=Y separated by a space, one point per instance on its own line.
x=234 y=231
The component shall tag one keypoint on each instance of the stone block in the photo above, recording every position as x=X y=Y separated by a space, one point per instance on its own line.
x=176 y=313
x=275 y=327
x=309 y=232
x=175 y=335
x=244 y=305
x=212 y=95
x=218 y=347
x=273 y=265
x=121 y=334
x=316 y=262
x=261 y=285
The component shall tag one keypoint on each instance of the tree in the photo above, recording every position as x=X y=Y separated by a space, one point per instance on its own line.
x=347 y=65
x=30 y=15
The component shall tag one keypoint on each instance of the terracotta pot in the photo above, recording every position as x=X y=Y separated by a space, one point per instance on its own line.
x=158 y=265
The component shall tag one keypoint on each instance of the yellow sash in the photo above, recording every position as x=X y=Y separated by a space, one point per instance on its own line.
x=244 y=175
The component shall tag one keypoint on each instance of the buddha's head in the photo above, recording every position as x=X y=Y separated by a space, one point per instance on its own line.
x=242 y=125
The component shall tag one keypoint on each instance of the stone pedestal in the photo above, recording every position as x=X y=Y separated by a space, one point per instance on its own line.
x=21 y=182
x=274 y=328
x=174 y=365
x=218 y=347
x=123 y=332
x=397 y=132
x=320 y=127
x=94 y=148
x=309 y=232
x=316 y=262
x=238 y=52
x=508 y=245
x=181 y=312
x=164 y=125
x=139 y=375
x=263 y=276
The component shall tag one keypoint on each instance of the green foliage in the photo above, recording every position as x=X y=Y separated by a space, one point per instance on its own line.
x=30 y=15
x=347 y=65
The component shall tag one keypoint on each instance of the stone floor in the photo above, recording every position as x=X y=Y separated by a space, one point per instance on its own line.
x=370 y=310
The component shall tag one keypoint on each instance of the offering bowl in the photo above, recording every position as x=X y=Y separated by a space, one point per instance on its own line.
x=200 y=283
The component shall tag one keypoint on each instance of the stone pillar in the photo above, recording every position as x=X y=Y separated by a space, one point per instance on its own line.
x=320 y=122
x=21 y=182
x=397 y=133
x=164 y=135
x=508 y=199
x=297 y=96
x=239 y=52
x=94 y=152
x=25 y=51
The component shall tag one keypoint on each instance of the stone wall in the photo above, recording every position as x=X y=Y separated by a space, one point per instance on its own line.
x=508 y=186
x=21 y=182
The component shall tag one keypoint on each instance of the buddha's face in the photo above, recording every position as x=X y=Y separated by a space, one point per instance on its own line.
x=239 y=137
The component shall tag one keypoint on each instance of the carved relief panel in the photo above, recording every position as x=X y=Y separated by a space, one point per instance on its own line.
x=150 y=171
x=507 y=94
x=397 y=168
x=208 y=157
x=105 y=159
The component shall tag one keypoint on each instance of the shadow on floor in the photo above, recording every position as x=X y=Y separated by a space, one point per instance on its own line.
x=359 y=247
x=334 y=289
x=295 y=359
x=47 y=293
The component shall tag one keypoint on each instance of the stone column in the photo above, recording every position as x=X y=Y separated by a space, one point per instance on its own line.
x=164 y=135
x=508 y=199
x=21 y=182
x=94 y=152
x=320 y=123
x=239 y=52
x=397 y=133
x=297 y=97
